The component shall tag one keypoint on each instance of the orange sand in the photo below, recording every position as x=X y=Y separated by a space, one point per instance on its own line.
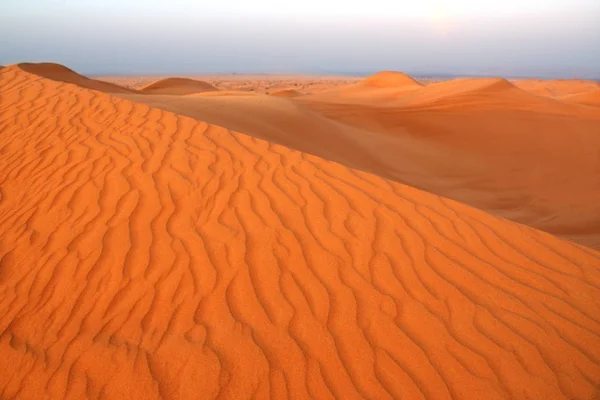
x=61 y=73
x=483 y=142
x=287 y=93
x=147 y=254
x=591 y=98
x=557 y=87
x=178 y=86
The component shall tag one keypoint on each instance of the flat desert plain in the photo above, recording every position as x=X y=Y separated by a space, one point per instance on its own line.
x=254 y=237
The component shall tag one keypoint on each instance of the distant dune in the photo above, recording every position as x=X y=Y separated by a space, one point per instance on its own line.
x=464 y=90
x=178 y=86
x=148 y=252
x=556 y=87
x=376 y=89
x=591 y=98
x=388 y=79
x=287 y=93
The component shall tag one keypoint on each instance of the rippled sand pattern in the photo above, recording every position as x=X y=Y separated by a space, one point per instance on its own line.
x=147 y=255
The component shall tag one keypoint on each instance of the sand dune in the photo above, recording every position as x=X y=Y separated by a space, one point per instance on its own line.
x=146 y=254
x=61 y=73
x=556 y=87
x=591 y=98
x=178 y=86
x=387 y=79
x=383 y=87
x=286 y=93
x=483 y=142
x=454 y=89
x=463 y=93
x=491 y=145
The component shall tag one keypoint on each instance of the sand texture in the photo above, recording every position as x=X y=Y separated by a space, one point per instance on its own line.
x=481 y=141
x=203 y=246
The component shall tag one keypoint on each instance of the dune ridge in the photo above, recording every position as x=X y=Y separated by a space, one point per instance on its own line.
x=57 y=72
x=178 y=86
x=387 y=79
x=148 y=255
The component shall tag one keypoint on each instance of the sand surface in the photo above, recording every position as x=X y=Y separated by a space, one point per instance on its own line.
x=233 y=245
x=481 y=141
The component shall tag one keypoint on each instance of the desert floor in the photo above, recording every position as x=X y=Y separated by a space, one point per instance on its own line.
x=240 y=237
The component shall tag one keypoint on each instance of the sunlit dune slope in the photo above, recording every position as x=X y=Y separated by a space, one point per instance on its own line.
x=178 y=86
x=149 y=255
x=61 y=73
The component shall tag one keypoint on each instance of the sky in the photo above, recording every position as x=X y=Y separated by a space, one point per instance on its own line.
x=544 y=38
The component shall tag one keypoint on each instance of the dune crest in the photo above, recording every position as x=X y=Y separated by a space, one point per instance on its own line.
x=390 y=79
x=178 y=86
x=60 y=73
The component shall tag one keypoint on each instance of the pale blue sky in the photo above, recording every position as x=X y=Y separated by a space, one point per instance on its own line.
x=496 y=37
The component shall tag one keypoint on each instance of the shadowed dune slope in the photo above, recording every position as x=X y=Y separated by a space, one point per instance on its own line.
x=61 y=73
x=178 y=86
x=148 y=255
